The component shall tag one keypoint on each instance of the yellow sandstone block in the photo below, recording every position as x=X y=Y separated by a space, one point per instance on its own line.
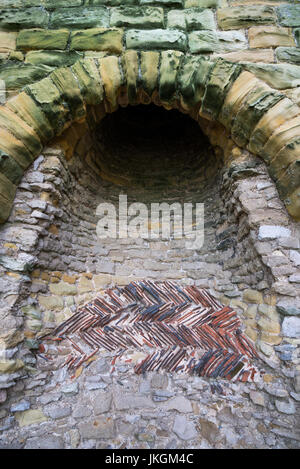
x=282 y=135
x=112 y=80
x=272 y=120
x=239 y=90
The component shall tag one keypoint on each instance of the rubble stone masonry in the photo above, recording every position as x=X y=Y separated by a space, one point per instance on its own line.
x=164 y=101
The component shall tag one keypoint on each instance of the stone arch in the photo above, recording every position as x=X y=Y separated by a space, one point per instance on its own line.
x=253 y=114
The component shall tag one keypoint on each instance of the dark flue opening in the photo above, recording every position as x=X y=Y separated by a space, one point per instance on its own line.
x=150 y=148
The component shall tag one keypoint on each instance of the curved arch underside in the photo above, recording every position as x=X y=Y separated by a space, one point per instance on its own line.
x=256 y=117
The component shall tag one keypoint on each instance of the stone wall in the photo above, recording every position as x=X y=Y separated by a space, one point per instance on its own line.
x=38 y=36
x=53 y=262
x=66 y=68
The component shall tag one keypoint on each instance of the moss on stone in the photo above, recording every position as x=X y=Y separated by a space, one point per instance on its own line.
x=130 y=63
x=192 y=79
x=17 y=75
x=222 y=76
x=170 y=63
x=47 y=95
x=289 y=15
x=98 y=39
x=257 y=103
x=81 y=17
x=137 y=17
x=10 y=168
x=14 y=20
x=54 y=58
x=65 y=81
x=88 y=77
x=149 y=71
x=29 y=39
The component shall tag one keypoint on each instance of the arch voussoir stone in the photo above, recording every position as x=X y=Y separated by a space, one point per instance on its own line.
x=256 y=116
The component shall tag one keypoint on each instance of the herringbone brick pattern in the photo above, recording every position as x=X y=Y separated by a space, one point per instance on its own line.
x=180 y=329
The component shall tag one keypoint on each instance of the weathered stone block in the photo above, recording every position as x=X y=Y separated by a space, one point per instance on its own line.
x=26 y=108
x=285 y=134
x=130 y=64
x=287 y=309
x=164 y=2
x=101 y=402
x=222 y=76
x=292 y=200
x=113 y=3
x=170 y=63
x=20 y=130
x=90 y=84
x=297 y=36
x=176 y=20
x=249 y=55
x=289 y=15
x=44 y=442
x=269 y=326
x=192 y=79
x=85 y=285
x=156 y=39
x=52 y=58
x=23 y=18
x=30 y=417
x=230 y=41
x=15 y=148
x=256 y=103
x=7 y=41
x=98 y=39
x=184 y=428
x=258 y=398
x=291 y=327
x=42 y=39
x=57 y=411
x=241 y=87
x=288 y=54
x=279 y=76
x=10 y=168
x=252 y=296
x=112 y=80
x=201 y=3
x=198 y=19
x=20 y=3
x=51 y=302
x=203 y=41
x=237 y=17
x=102 y=280
x=7 y=188
x=125 y=401
x=137 y=17
x=82 y=17
x=149 y=71
x=63 y=288
x=18 y=75
x=295 y=257
x=51 y=4
x=271 y=339
x=272 y=232
x=66 y=83
x=179 y=403
x=276 y=116
x=270 y=36
x=98 y=428
x=288 y=185
x=10 y=366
